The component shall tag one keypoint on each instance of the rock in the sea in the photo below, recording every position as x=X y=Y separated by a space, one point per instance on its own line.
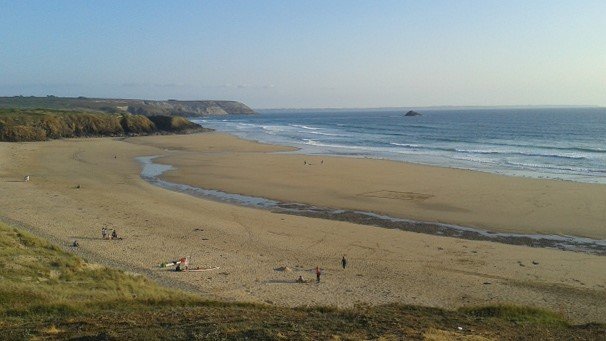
x=413 y=113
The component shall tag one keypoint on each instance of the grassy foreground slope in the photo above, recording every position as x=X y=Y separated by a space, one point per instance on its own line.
x=17 y=125
x=48 y=293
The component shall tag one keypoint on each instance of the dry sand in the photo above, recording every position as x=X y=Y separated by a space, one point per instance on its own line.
x=249 y=244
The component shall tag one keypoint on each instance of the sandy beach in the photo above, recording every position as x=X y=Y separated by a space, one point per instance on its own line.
x=79 y=186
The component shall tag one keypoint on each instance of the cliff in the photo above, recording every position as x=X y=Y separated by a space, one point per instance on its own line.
x=19 y=125
x=133 y=106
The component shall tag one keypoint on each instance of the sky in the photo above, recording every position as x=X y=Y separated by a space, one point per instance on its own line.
x=308 y=54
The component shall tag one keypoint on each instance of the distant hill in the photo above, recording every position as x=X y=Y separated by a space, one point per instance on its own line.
x=133 y=106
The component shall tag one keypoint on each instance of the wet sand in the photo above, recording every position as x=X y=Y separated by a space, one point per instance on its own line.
x=423 y=193
x=385 y=265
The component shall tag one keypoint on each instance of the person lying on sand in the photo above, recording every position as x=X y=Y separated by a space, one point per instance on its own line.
x=115 y=235
x=301 y=280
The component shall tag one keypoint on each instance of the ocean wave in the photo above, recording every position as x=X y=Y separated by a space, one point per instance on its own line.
x=316 y=143
x=490 y=152
x=511 y=152
x=368 y=149
x=276 y=129
x=573 y=149
x=409 y=145
x=579 y=170
x=324 y=134
x=303 y=126
x=475 y=159
x=241 y=125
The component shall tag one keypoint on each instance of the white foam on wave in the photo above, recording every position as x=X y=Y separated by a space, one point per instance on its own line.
x=577 y=170
x=574 y=156
x=475 y=160
x=303 y=126
x=370 y=151
x=323 y=134
x=409 y=145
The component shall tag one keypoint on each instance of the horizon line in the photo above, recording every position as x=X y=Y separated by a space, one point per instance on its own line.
x=513 y=106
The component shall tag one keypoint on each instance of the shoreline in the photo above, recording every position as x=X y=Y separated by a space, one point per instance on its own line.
x=412 y=142
x=300 y=151
x=152 y=173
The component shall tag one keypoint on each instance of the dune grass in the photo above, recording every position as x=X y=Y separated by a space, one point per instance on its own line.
x=37 y=277
x=517 y=314
x=46 y=292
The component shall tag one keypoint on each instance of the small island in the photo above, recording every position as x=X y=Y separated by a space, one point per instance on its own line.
x=413 y=113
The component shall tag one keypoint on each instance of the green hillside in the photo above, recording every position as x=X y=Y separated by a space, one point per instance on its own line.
x=49 y=293
x=18 y=125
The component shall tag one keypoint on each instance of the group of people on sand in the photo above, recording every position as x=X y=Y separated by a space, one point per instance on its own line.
x=309 y=163
x=106 y=235
x=319 y=272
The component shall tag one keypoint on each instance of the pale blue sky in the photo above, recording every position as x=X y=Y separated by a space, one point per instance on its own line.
x=308 y=53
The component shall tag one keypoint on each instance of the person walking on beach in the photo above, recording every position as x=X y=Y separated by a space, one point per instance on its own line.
x=318 y=273
x=104 y=233
x=343 y=262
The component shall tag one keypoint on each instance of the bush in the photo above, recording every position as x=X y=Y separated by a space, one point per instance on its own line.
x=173 y=123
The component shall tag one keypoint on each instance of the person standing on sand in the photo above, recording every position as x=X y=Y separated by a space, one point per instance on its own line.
x=318 y=273
x=343 y=262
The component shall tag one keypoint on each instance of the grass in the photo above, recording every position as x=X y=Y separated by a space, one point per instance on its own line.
x=48 y=293
x=38 y=277
x=517 y=314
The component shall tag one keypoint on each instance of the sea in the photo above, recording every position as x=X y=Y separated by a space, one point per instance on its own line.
x=553 y=143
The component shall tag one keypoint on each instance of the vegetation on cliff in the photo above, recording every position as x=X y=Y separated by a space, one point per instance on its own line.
x=19 y=125
x=46 y=293
x=133 y=106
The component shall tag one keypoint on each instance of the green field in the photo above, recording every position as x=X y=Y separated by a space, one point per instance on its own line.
x=46 y=292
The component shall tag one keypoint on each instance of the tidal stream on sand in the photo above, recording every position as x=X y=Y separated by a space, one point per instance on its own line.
x=151 y=173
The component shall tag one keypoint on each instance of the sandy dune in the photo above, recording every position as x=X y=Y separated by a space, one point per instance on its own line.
x=248 y=244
